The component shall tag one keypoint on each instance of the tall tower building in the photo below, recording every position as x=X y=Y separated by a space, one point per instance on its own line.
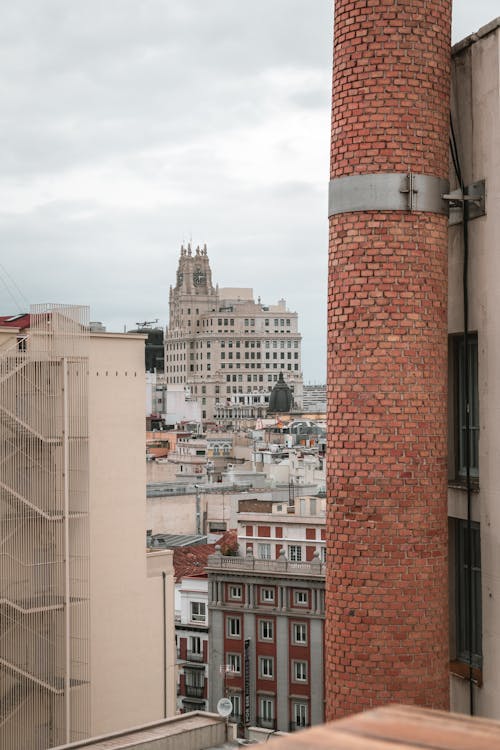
x=387 y=579
x=226 y=348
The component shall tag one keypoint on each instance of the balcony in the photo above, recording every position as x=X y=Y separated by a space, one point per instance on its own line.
x=195 y=656
x=266 y=723
x=249 y=564
x=194 y=691
x=294 y=727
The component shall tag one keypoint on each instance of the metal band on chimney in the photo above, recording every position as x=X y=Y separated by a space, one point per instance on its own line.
x=388 y=191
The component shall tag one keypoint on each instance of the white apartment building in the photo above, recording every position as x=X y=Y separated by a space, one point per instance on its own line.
x=226 y=347
x=269 y=530
x=191 y=637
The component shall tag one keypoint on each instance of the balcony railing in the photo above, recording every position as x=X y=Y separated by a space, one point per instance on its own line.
x=294 y=727
x=194 y=692
x=266 y=723
x=249 y=563
x=195 y=656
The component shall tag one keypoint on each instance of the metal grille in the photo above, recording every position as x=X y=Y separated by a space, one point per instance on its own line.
x=44 y=534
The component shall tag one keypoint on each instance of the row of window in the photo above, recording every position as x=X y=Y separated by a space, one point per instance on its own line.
x=247 y=344
x=294 y=552
x=300 y=596
x=298 y=630
x=267 y=711
x=253 y=355
x=266 y=667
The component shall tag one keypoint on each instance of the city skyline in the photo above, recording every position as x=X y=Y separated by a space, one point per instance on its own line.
x=131 y=132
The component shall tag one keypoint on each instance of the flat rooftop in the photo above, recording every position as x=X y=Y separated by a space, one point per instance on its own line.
x=193 y=731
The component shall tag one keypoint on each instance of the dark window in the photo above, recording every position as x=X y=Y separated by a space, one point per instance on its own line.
x=468 y=593
x=473 y=404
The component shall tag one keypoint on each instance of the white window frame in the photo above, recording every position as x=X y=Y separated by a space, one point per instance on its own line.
x=301 y=598
x=299 y=627
x=234 y=662
x=235 y=591
x=195 y=644
x=267 y=594
x=266 y=630
x=301 y=714
x=264 y=550
x=266 y=708
x=266 y=667
x=201 y=614
x=233 y=625
x=295 y=553
x=299 y=671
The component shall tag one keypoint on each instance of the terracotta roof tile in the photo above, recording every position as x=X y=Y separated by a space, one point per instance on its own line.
x=191 y=562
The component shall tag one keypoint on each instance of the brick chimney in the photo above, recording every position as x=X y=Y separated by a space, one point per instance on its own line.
x=387 y=583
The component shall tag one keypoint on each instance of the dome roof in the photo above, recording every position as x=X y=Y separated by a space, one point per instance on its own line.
x=281 y=398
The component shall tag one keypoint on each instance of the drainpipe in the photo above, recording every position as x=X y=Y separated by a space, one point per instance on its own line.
x=164 y=577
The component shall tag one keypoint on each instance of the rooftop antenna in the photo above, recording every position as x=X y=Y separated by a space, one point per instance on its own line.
x=6 y=275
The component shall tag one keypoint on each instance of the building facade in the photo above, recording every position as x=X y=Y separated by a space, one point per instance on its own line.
x=226 y=347
x=82 y=619
x=191 y=637
x=296 y=527
x=266 y=640
x=473 y=466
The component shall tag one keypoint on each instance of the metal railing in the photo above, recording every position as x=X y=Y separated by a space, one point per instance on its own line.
x=250 y=563
x=266 y=723
x=193 y=691
x=195 y=656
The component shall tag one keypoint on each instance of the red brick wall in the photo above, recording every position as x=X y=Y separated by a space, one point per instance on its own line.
x=386 y=630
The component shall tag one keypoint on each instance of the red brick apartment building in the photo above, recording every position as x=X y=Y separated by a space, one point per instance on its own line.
x=266 y=639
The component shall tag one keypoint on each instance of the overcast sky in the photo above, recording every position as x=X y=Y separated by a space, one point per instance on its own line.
x=130 y=126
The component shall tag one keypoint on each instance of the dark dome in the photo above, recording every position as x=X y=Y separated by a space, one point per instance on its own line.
x=281 y=398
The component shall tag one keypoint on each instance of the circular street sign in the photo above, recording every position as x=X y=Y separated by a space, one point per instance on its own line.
x=224 y=707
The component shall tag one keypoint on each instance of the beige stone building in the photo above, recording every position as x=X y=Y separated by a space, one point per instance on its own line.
x=86 y=624
x=226 y=347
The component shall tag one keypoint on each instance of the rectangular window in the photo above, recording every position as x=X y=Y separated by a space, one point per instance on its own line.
x=266 y=710
x=198 y=612
x=299 y=633
x=300 y=714
x=194 y=679
x=299 y=671
x=236 y=712
x=264 y=551
x=233 y=663
x=267 y=594
x=300 y=598
x=266 y=667
x=266 y=630
x=195 y=644
x=235 y=592
x=468 y=403
x=468 y=604
x=294 y=553
x=233 y=627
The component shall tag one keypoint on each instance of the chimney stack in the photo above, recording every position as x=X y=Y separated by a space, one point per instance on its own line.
x=387 y=580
